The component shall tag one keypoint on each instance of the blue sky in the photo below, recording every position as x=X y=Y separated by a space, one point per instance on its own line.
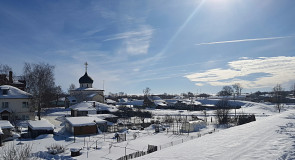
x=169 y=46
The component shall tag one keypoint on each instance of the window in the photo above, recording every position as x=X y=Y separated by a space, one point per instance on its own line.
x=5 y=104
x=5 y=91
x=25 y=104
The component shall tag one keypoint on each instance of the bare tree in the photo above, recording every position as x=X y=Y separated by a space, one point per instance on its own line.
x=40 y=83
x=278 y=96
x=146 y=93
x=58 y=93
x=226 y=91
x=238 y=88
x=4 y=69
x=222 y=113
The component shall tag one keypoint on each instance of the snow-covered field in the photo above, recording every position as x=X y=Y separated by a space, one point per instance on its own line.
x=272 y=136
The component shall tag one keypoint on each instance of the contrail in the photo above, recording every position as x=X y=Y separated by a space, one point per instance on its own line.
x=244 y=40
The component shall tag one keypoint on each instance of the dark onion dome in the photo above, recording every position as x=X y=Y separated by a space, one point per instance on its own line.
x=85 y=79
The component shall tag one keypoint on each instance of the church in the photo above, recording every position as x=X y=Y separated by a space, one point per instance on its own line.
x=85 y=92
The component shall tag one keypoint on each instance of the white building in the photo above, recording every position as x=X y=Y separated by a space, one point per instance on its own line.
x=86 y=92
x=15 y=104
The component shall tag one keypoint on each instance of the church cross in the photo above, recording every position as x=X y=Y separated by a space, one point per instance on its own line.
x=86 y=64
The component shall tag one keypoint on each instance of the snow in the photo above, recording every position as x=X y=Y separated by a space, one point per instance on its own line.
x=84 y=106
x=270 y=137
x=102 y=116
x=5 y=124
x=41 y=125
x=81 y=121
x=1 y=132
x=13 y=92
x=89 y=106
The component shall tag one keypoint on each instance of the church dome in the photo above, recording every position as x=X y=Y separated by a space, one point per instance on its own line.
x=85 y=79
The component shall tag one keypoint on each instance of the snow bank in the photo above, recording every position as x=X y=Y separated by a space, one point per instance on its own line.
x=264 y=139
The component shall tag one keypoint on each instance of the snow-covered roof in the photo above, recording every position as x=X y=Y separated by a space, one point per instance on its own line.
x=87 y=89
x=83 y=106
x=80 y=121
x=13 y=92
x=17 y=82
x=160 y=103
x=6 y=109
x=41 y=125
x=104 y=107
x=84 y=121
x=89 y=106
x=5 y=124
x=110 y=101
x=102 y=116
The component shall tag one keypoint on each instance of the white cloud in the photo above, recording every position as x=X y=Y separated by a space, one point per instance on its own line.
x=278 y=70
x=135 y=42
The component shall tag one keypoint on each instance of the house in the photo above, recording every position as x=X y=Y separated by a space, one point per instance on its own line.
x=154 y=101
x=91 y=107
x=16 y=81
x=69 y=101
x=104 y=121
x=5 y=130
x=86 y=92
x=81 y=125
x=15 y=104
x=36 y=128
x=83 y=109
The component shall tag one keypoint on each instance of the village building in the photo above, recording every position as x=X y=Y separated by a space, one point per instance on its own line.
x=86 y=91
x=36 y=128
x=15 y=104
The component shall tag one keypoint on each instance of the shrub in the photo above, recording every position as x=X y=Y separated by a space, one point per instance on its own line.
x=55 y=149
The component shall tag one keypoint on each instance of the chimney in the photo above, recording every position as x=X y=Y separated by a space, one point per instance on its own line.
x=10 y=77
x=93 y=104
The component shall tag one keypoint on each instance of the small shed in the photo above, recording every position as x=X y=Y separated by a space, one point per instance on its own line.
x=193 y=126
x=36 y=128
x=6 y=128
x=81 y=125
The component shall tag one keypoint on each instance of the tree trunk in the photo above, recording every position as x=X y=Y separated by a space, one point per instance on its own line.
x=39 y=111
